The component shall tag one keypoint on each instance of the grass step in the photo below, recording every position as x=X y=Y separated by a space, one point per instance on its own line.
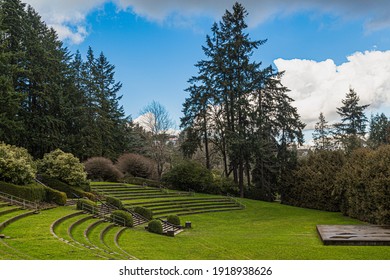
x=173 y=200
x=192 y=206
x=197 y=210
x=146 y=196
x=7 y=210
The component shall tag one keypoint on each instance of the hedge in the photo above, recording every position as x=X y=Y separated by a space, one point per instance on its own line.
x=155 y=226
x=71 y=191
x=146 y=213
x=364 y=185
x=34 y=192
x=90 y=205
x=314 y=182
x=173 y=219
x=126 y=216
x=31 y=192
x=114 y=201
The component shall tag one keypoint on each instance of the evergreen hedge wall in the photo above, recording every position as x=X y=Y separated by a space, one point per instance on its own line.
x=314 y=182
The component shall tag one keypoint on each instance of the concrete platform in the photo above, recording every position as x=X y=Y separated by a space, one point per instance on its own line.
x=369 y=235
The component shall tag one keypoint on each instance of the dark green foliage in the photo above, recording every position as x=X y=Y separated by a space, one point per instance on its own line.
x=351 y=130
x=243 y=110
x=31 y=192
x=379 y=131
x=87 y=205
x=314 y=184
x=55 y=196
x=364 y=184
x=155 y=226
x=102 y=169
x=146 y=213
x=125 y=218
x=114 y=202
x=71 y=191
x=173 y=219
x=321 y=134
x=189 y=175
x=50 y=99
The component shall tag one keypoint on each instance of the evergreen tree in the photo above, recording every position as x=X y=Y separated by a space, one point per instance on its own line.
x=379 y=130
x=321 y=134
x=242 y=110
x=350 y=132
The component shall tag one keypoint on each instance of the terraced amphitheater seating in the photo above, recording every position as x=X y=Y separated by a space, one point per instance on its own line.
x=164 y=203
x=86 y=232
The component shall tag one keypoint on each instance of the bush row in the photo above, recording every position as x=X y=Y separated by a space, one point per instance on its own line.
x=191 y=175
x=34 y=192
x=359 y=185
x=146 y=213
x=313 y=183
x=125 y=218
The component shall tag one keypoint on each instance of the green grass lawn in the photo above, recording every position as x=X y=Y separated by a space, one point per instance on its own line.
x=261 y=231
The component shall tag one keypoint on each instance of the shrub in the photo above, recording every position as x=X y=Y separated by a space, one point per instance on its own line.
x=102 y=169
x=126 y=216
x=364 y=185
x=155 y=226
x=71 y=192
x=87 y=205
x=315 y=183
x=146 y=213
x=189 y=175
x=136 y=165
x=64 y=167
x=16 y=165
x=114 y=201
x=173 y=219
x=55 y=196
x=31 y=192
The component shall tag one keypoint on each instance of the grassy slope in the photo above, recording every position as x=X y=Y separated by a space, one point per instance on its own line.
x=261 y=231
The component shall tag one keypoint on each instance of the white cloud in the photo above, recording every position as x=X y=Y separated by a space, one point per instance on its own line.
x=69 y=16
x=320 y=86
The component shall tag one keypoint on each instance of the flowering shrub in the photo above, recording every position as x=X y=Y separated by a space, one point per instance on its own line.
x=16 y=165
x=64 y=167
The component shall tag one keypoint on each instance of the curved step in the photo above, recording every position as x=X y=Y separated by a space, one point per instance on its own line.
x=116 y=240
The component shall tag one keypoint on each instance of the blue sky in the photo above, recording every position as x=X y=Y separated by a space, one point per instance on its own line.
x=325 y=47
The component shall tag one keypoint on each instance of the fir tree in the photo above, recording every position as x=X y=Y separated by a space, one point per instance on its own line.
x=321 y=134
x=350 y=132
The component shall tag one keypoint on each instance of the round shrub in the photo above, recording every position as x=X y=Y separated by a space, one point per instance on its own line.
x=146 y=213
x=102 y=169
x=64 y=167
x=16 y=165
x=55 y=196
x=123 y=218
x=189 y=175
x=173 y=219
x=155 y=226
x=136 y=165
x=114 y=202
x=87 y=205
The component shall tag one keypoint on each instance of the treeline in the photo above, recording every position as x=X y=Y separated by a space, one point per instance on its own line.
x=50 y=98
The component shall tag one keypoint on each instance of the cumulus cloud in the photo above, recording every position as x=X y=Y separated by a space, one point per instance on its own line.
x=320 y=86
x=68 y=16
